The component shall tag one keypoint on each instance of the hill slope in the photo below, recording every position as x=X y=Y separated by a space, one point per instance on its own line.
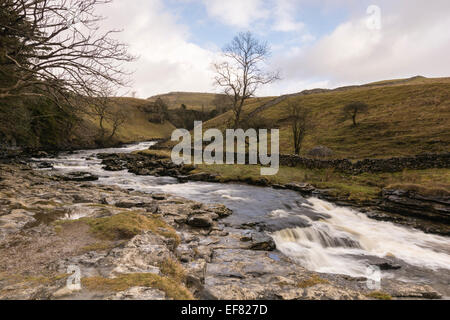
x=136 y=126
x=405 y=117
x=193 y=100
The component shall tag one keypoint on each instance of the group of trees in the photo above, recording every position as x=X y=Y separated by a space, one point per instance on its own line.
x=54 y=50
x=240 y=74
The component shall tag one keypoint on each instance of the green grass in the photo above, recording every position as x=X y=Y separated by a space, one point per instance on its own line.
x=123 y=226
x=136 y=127
x=364 y=187
x=404 y=118
x=192 y=100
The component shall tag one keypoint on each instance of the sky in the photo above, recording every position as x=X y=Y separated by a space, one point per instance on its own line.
x=314 y=43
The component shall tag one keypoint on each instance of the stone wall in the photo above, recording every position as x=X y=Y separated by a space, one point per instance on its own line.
x=418 y=162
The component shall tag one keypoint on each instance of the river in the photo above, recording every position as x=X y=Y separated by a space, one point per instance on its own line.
x=336 y=240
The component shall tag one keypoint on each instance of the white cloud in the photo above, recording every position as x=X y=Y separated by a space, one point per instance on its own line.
x=284 y=16
x=238 y=13
x=168 y=61
x=414 y=39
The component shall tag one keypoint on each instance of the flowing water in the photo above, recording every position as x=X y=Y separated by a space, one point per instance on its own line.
x=319 y=235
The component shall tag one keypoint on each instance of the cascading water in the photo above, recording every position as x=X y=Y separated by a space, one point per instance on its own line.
x=331 y=245
x=320 y=236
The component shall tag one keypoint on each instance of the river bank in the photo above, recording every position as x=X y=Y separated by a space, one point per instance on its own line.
x=133 y=233
x=403 y=203
x=181 y=249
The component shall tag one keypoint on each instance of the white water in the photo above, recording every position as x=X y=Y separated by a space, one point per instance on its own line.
x=328 y=245
x=340 y=240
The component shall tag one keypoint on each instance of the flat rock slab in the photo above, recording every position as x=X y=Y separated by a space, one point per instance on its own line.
x=247 y=274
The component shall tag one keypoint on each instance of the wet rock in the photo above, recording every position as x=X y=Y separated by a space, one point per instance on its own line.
x=40 y=154
x=278 y=224
x=113 y=168
x=79 y=177
x=221 y=210
x=411 y=204
x=201 y=177
x=44 y=165
x=387 y=265
x=159 y=197
x=303 y=188
x=200 y=221
x=137 y=204
x=261 y=241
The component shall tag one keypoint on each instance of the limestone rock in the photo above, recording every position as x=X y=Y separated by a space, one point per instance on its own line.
x=139 y=293
x=200 y=221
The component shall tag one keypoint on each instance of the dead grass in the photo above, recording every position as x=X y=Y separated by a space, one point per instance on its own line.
x=379 y=295
x=126 y=225
x=173 y=270
x=137 y=127
x=163 y=154
x=362 y=187
x=404 y=119
x=173 y=289
x=312 y=281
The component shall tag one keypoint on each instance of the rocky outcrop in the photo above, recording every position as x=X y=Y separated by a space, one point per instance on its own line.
x=78 y=176
x=412 y=204
x=144 y=164
x=429 y=214
x=221 y=261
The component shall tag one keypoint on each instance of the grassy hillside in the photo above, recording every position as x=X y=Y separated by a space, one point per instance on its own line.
x=192 y=100
x=405 y=117
x=136 y=126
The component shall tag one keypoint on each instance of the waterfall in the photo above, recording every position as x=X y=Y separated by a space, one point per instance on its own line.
x=331 y=245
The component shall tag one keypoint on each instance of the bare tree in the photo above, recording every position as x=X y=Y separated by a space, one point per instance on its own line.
x=162 y=110
x=257 y=122
x=54 y=48
x=240 y=74
x=117 y=119
x=222 y=103
x=351 y=110
x=107 y=113
x=300 y=123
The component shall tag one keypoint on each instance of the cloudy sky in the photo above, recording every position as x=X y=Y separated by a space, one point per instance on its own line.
x=315 y=43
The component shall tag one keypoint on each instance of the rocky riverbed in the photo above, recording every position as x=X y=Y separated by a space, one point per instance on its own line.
x=183 y=250
x=427 y=213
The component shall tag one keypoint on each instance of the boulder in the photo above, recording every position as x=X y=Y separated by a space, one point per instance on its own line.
x=262 y=242
x=79 y=177
x=411 y=204
x=200 y=221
